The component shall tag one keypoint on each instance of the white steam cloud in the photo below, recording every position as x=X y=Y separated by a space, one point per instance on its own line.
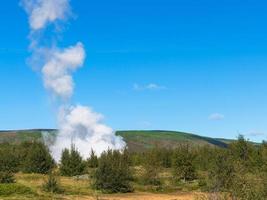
x=84 y=128
x=78 y=125
x=43 y=12
x=57 y=70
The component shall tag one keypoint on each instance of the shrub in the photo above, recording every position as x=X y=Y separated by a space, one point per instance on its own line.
x=183 y=167
x=52 y=184
x=152 y=166
x=113 y=173
x=245 y=188
x=8 y=158
x=71 y=163
x=37 y=159
x=221 y=173
x=6 y=177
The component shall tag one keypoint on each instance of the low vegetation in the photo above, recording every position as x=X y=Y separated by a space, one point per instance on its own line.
x=238 y=172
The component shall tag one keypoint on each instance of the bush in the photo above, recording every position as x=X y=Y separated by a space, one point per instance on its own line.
x=6 y=177
x=247 y=189
x=52 y=184
x=222 y=173
x=8 y=158
x=37 y=159
x=113 y=173
x=71 y=163
x=183 y=167
x=152 y=166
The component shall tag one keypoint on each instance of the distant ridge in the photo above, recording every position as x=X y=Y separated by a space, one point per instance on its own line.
x=29 y=130
x=137 y=140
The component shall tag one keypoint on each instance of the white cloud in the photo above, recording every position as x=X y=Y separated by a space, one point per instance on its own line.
x=150 y=86
x=216 y=117
x=43 y=12
x=256 y=133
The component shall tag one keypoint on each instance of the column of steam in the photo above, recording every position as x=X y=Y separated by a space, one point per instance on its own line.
x=77 y=124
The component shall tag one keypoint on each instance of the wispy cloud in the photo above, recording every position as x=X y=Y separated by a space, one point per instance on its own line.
x=256 y=134
x=145 y=124
x=150 y=86
x=216 y=117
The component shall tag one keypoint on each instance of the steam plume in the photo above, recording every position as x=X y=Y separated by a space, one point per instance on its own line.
x=43 y=12
x=57 y=70
x=78 y=125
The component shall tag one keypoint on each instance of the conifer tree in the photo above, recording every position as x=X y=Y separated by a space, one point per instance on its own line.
x=113 y=173
x=37 y=159
x=92 y=160
x=152 y=166
x=71 y=163
x=183 y=164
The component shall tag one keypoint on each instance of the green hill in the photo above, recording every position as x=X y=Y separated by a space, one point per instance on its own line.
x=140 y=140
x=136 y=140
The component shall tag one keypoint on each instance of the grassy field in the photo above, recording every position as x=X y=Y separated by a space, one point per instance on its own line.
x=136 y=140
x=29 y=186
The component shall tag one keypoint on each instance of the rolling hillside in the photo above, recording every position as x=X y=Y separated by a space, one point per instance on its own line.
x=140 y=140
x=136 y=140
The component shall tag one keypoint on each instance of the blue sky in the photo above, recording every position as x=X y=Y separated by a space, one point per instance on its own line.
x=195 y=66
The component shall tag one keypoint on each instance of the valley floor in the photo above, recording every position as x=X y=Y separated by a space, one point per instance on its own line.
x=28 y=187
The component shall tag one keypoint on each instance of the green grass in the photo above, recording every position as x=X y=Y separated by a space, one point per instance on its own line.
x=15 y=188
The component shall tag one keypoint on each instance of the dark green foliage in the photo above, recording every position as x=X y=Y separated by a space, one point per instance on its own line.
x=9 y=159
x=183 y=164
x=239 y=171
x=204 y=157
x=51 y=184
x=7 y=177
x=92 y=161
x=71 y=163
x=222 y=173
x=113 y=173
x=37 y=158
x=165 y=156
x=152 y=166
x=247 y=188
x=244 y=152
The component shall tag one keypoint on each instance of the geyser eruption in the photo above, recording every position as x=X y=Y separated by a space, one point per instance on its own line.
x=57 y=70
x=78 y=125
x=81 y=126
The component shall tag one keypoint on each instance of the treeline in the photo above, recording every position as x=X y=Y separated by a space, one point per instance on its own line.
x=237 y=172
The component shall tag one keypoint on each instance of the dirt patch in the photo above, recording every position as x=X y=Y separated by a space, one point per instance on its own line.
x=141 y=196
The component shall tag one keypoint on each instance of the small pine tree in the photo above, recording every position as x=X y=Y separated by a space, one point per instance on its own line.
x=113 y=173
x=92 y=161
x=242 y=151
x=37 y=159
x=221 y=173
x=152 y=166
x=71 y=163
x=52 y=185
x=8 y=158
x=183 y=164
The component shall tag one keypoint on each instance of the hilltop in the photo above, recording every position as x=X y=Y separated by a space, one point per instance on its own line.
x=137 y=140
